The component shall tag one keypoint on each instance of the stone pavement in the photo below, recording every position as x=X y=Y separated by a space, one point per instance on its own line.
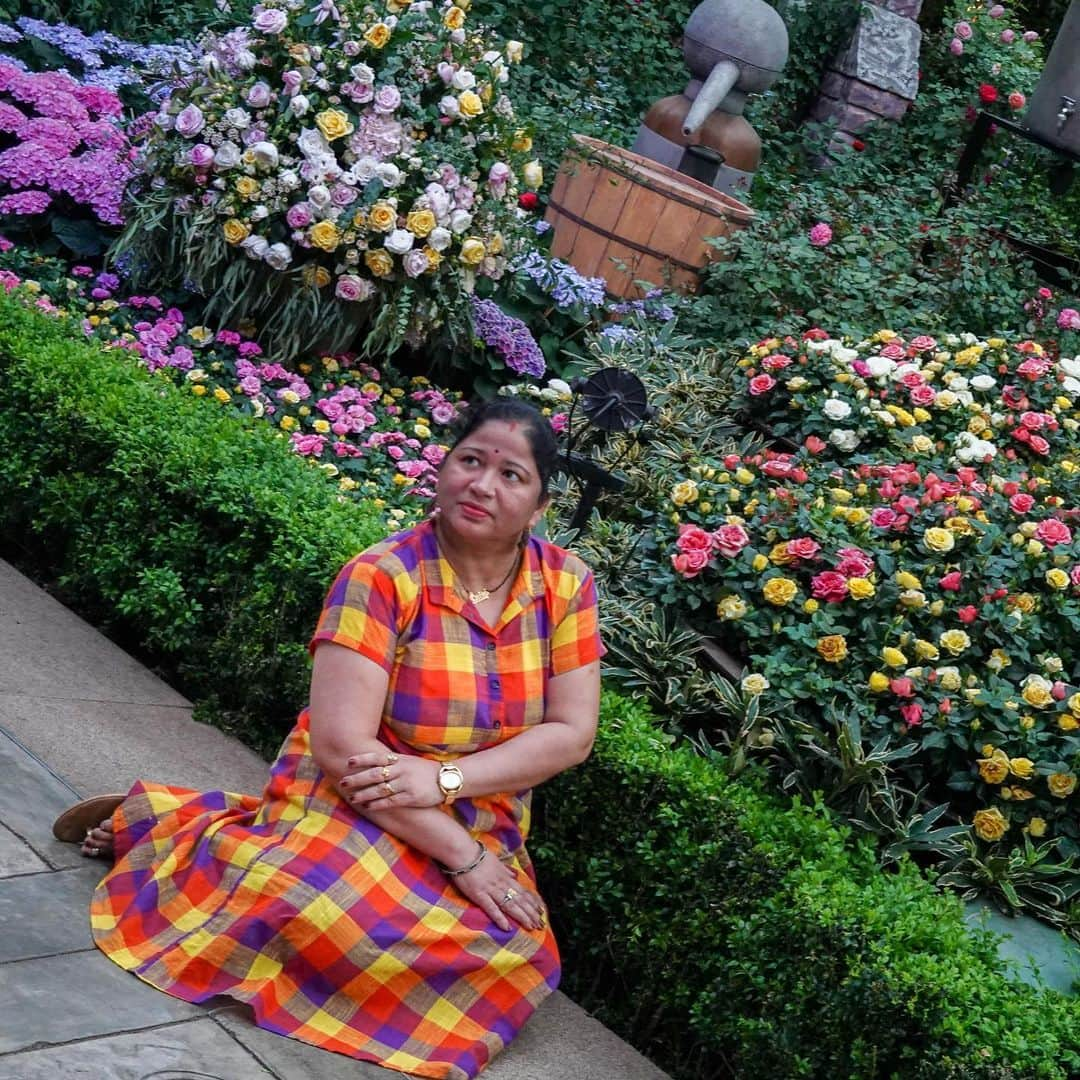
x=77 y=717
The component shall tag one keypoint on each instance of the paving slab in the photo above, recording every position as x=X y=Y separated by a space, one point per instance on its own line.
x=196 y=1050
x=17 y=856
x=48 y=651
x=48 y=913
x=80 y=995
x=1042 y=955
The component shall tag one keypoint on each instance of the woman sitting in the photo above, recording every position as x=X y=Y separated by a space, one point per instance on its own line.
x=378 y=900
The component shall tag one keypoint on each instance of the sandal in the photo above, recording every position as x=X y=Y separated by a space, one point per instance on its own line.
x=74 y=823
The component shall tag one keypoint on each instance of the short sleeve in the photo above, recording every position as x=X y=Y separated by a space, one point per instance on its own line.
x=361 y=612
x=576 y=640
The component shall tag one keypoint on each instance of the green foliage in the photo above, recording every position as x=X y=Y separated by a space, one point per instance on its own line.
x=728 y=937
x=138 y=20
x=194 y=533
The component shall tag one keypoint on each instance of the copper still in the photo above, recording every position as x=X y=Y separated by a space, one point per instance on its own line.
x=733 y=48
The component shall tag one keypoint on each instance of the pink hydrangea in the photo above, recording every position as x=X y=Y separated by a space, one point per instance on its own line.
x=821 y=235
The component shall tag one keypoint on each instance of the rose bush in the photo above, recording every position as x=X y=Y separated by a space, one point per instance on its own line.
x=915 y=565
x=336 y=167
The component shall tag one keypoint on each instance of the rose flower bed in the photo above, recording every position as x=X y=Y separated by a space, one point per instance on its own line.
x=913 y=563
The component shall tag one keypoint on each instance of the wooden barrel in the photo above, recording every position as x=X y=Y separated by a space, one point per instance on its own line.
x=626 y=218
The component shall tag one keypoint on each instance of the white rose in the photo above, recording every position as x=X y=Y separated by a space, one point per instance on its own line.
x=299 y=105
x=399 y=241
x=1071 y=386
x=903 y=369
x=278 y=256
x=227 y=156
x=363 y=74
x=984 y=382
x=319 y=196
x=255 y=246
x=312 y=144
x=844 y=440
x=449 y=106
x=836 y=409
x=880 y=366
x=886 y=418
x=965 y=397
x=389 y=174
x=843 y=355
x=439 y=239
x=560 y=387
x=363 y=170
x=514 y=51
x=237 y=118
x=460 y=220
x=825 y=346
x=1070 y=367
x=463 y=79
x=265 y=155
x=438 y=200
x=259 y=212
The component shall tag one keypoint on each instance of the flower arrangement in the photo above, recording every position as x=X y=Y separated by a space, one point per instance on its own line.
x=333 y=167
x=914 y=559
x=64 y=158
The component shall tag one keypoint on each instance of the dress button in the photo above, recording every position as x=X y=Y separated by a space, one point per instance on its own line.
x=494 y=684
x=491 y=646
x=497 y=725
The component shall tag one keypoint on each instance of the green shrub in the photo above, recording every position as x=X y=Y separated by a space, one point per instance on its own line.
x=194 y=533
x=727 y=936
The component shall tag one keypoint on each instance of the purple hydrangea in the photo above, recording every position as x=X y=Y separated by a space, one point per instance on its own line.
x=561 y=281
x=509 y=337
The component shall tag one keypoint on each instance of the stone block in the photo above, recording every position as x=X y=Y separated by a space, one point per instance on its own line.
x=851 y=118
x=884 y=53
x=910 y=9
x=835 y=85
x=48 y=913
x=876 y=100
x=17 y=856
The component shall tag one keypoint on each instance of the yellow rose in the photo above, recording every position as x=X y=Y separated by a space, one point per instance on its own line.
x=912 y=598
x=247 y=186
x=522 y=142
x=893 y=657
x=779 y=591
x=496 y=243
x=926 y=650
x=1074 y=704
x=433 y=257
x=235 y=231
x=686 y=491
x=832 y=648
x=1037 y=692
x=1024 y=602
x=994 y=769
x=857 y=516
x=990 y=824
x=514 y=51
x=860 y=588
x=879 y=682
x=759 y=563
x=743 y=476
x=954 y=641
x=380 y=262
x=1061 y=784
x=938 y=540
x=810 y=606
x=333 y=123
x=1022 y=767
x=420 y=222
x=1034 y=547
x=907 y=581
x=378 y=35
x=1057 y=579
x=454 y=19
x=754 y=684
x=999 y=660
x=325 y=235
x=731 y=608
x=921 y=415
x=316 y=277
x=1020 y=794
x=533 y=174
x=470 y=104
x=1037 y=827
x=198 y=390
x=779 y=555
x=1068 y=722
x=472 y=254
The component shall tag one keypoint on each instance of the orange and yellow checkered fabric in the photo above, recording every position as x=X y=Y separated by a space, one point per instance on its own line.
x=334 y=931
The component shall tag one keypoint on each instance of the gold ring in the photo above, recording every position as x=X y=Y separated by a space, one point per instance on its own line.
x=509 y=897
x=385 y=773
x=391 y=758
x=388 y=791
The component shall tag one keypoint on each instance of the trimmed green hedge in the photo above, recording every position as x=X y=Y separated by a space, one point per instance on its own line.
x=191 y=534
x=724 y=934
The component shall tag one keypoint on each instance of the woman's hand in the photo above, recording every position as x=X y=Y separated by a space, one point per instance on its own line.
x=493 y=887
x=388 y=781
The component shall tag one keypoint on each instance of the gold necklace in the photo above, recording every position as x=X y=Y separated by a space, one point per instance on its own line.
x=479 y=595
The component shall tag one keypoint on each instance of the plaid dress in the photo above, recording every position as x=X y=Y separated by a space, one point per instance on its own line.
x=334 y=931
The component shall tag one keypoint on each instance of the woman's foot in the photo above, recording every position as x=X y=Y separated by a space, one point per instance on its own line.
x=99 y=840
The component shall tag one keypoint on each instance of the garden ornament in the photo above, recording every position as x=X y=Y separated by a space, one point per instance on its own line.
x=733 y=48
x=1052 y=111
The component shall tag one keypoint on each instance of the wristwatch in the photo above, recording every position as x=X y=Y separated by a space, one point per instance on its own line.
x=450 y=781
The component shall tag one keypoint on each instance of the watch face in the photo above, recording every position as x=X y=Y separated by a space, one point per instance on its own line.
x=450 y=778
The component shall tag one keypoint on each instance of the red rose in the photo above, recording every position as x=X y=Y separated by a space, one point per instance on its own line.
x=802 y=547
x=694 y=538
x=858 y=145
x=814 y=444
x=830 y=587
x=951 y=582
x=1039 y=445
x=690 y=563
x=761 y=384
x=912 y=714
x=902 y=687
x=528 y=200
x=988 y=94
x=968 y=614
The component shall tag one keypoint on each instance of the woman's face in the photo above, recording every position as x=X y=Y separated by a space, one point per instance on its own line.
x=489 y=486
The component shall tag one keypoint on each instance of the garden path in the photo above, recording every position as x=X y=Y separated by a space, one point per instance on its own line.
x=79 y=716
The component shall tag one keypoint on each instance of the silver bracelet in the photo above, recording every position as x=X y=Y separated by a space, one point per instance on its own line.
x=465 y=869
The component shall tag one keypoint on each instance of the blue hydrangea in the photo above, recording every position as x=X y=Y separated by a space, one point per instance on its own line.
x=9 y=35
x=652 y=307
x=619 y=333
x=508 y=337
x=561 y=281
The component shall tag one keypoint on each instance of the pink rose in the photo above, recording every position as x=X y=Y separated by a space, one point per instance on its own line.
x=776 y=362
x=1058 y=691
x=911 y=379
x=893 y=351
x=761 y=384
x=882 y=517
x=814 y=444
x=902 y=687
x=854 y=563
x=1017 y=100
x=802 y=547
x=912 y=714
x=299 y=216
x=1030 y=36
x=1031 y=420
x=270 y=21
x=1068 y=319
x=1052 y=532
x=968 y=614
x=821 y=235
x=951 y=581
x=690 y=563
x=829 y=586
x=694 y=538
x=963 y=30
x=1039 y=445
x=922 y=395
x=996 y=11
x=729 y=540
x=1008 y=36
x=1074 y=576
x=923 y=342
x=956 y=47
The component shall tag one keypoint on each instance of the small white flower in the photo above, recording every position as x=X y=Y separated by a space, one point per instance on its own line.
x=449 y=106
x=399 y=241
x=843 y=440
x=259 y=212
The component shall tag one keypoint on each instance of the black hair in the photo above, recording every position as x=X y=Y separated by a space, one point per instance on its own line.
x=511 y=410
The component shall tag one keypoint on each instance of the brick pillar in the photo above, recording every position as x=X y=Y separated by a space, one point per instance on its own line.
x=877 y=76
